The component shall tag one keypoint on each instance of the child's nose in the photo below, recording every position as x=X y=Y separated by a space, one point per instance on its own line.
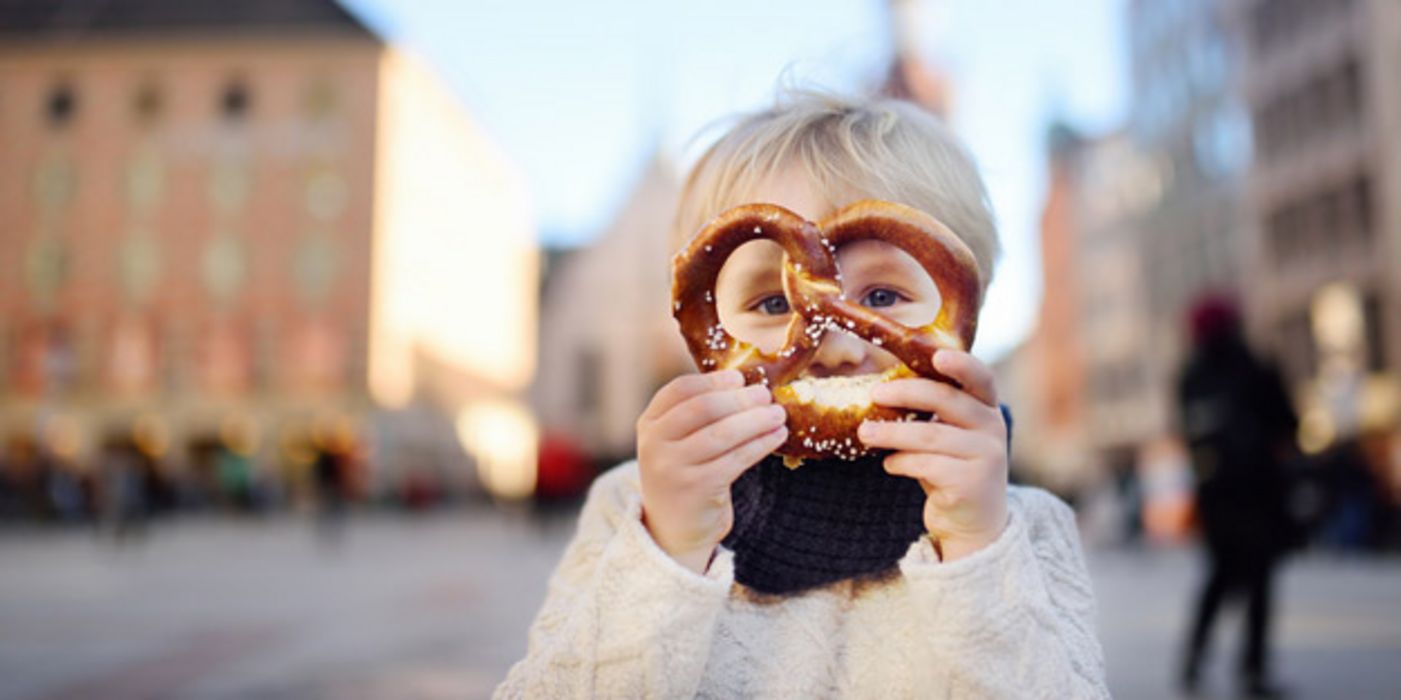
x=838 y=353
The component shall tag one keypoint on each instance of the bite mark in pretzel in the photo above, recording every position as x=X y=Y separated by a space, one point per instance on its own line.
x=812 y=285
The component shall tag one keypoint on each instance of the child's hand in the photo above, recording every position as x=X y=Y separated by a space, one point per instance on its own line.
x=960 y=459
x=699 y=433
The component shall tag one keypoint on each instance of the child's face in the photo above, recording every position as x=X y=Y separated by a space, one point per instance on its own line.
x=749 y=291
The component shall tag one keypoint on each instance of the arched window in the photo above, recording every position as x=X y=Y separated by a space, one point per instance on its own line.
x=62 y=106
x=235 y=102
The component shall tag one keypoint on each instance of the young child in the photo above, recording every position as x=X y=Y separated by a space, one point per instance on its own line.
x=707 y=568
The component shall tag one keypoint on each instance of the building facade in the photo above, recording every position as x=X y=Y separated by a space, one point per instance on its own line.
x=228 y=226
x=607 y=338
x=1325 y=199
x=1190 y=127
x=1136 y=224
x=1084 y=402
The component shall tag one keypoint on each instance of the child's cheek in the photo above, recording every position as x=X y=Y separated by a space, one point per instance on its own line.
x=769 y=334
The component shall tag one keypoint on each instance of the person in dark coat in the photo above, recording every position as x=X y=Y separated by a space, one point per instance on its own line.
x=1236 y=417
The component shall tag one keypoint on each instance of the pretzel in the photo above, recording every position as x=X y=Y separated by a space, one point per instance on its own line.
x=812 y=284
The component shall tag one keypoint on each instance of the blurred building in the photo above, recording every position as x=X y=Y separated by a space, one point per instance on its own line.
x=1190 y=125
x=1190 y=119
x=238 y=226
x=1137 y=223
x=1323 y=264
x=1046 y=373
x=1116 y=186
x=911 y=75
x=1082 y=374
x=607 y=338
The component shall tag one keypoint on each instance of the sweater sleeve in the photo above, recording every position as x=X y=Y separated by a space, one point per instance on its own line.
x=1016 y=619
x=620 y=617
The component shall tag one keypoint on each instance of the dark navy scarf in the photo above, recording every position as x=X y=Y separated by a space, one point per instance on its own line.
x=826 y=521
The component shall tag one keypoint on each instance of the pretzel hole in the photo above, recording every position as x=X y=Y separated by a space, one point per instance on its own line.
x=874 y=271
x=752 y=275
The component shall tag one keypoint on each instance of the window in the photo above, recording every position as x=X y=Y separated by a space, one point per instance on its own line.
x=1221 y=142
x=8 y=340
x=176 y=354
x=1329 y=213
x=320 y=100
x=147 y=104
x=235 y=103
x=355 y=366
x=1372 y=320
x=588 y=397
x=1350 y=77
x=1282 y=226
x=1297 y=346
x=1360 y=198
x=61 y=107
x=265 y=350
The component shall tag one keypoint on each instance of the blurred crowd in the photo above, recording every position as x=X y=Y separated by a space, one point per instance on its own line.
x=1340 y=499
x=125 y=484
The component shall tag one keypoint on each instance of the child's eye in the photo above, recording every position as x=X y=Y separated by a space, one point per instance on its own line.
x=877 y=298
x=774 y=305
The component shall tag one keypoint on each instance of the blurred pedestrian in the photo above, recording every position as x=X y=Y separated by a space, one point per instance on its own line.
x=22 y=494
x=334 y=472
x=123 y=507
x=1236 y=418
x=66 y=492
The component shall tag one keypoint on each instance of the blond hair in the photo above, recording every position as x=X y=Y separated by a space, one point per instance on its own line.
x=848 y=150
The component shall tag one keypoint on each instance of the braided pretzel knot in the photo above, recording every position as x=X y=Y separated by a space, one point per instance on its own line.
x=812 y=284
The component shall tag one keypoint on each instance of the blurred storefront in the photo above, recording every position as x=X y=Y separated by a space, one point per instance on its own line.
x=238 y=236
x=1083 y=399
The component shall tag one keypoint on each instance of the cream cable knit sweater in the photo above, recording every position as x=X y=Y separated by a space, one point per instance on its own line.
x=622 y=619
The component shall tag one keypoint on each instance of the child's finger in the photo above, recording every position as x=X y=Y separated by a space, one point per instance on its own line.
x=727 y=433
x=921 y=436
x=688 y=385
x=951 y=404
x=930 y=469
x=730 y=465
x=699 y=411
x=974 y=376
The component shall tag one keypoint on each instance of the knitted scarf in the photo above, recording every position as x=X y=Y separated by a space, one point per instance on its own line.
x=825 y=521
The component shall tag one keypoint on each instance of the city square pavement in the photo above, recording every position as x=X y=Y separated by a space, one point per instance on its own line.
x=437 y=607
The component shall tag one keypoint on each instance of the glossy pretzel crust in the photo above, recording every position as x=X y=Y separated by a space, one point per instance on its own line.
x=811 y=282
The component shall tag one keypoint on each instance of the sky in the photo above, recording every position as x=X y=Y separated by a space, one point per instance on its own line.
x=582 y=94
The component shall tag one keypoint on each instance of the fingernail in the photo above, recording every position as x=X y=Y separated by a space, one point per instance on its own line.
x=776 y=413
x=866 y=430
x=879 y=393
